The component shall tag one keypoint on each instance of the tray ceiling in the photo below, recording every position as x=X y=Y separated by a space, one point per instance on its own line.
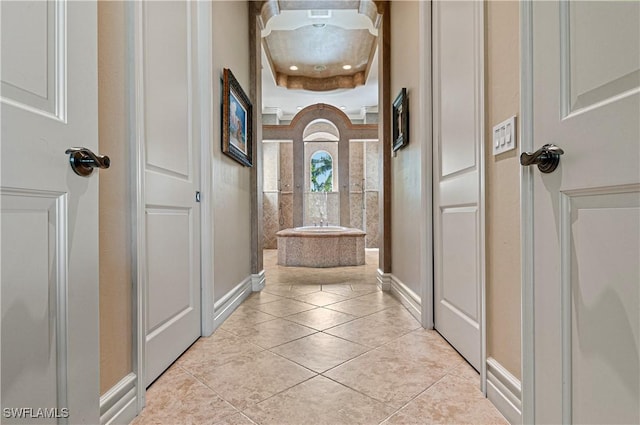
x=319 y=46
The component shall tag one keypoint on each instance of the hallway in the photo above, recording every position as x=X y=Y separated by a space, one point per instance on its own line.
x=319 y=346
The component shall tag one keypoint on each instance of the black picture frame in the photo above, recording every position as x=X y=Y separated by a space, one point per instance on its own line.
x=401 y=120
x=237 y=116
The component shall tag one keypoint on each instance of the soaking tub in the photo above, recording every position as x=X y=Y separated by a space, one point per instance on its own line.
x=329 y=246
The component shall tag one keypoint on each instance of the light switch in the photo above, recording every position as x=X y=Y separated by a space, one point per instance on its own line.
x=504 y=136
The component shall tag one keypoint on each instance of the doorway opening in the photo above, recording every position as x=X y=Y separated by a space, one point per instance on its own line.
x=320 y=154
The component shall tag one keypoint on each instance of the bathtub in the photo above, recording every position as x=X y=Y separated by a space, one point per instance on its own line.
x=330 y=246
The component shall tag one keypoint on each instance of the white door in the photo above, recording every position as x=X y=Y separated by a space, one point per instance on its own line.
x=50 y=332
x=168 y=137
x=586 y=213
x=457 y=206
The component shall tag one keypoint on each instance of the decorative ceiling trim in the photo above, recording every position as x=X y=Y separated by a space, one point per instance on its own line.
x=297 y=82
x=268 y=9
x=369 y=8
x=372 y=9
x=295 y=128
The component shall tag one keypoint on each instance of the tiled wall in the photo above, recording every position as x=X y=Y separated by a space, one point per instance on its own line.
x=363 y=164
x=271 y=157
x=278 y=205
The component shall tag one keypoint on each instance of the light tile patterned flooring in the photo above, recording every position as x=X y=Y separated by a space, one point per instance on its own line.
x=319 y=346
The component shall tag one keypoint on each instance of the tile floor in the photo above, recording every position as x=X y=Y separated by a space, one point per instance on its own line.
x=319 y=346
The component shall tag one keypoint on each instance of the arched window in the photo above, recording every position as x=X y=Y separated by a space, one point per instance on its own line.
x=321 y=172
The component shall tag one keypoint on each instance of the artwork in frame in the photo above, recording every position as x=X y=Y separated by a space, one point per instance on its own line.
x=236 y=121
x=401 y=120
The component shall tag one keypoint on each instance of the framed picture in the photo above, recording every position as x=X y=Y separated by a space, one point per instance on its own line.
x=236 y=121
x=401 y=120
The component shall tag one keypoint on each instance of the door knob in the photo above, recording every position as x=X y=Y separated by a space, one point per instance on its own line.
x=546 y=158
x=83 y=161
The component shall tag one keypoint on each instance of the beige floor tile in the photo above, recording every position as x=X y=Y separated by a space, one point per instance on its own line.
x=216 y=350
x=427 y=346
x=305 y=288
x=285 y=307
x=466 y=371
x=275 y=332
x=369 y=332
x=237 y=419
x=453 y=400
x=320 y=352
x=319 y=401
x=183 y=400
x=356 y=307
x=320 y=299
x=397 y=315
x=345 y=290
x=380 y=298
x=251 y=379
x=321 y=318
x=260 y=298
x=291 y=291
x=365 y=287
x=385 y=376
x=410 y=367
x=244 y=316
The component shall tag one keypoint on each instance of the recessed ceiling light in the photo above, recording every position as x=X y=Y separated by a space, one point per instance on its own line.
x=293 y=68
x=343 y=107
x=319 y=25
x=319 y=67
x=299 y=108
x=346 y=67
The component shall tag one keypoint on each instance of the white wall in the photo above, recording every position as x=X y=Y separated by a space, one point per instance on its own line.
x=406 y=175
x=231 y=181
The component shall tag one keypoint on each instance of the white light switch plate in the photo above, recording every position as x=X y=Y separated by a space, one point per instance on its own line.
x=504 y=136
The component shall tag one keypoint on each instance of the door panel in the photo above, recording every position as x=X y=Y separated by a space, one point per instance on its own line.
x=167 y=58
x=604 y=292
x=168 y=111
x=169 y=296
x=595 y=68
x=33 y=55
x=49 y=220
x=587 y=213
x=457 y=122
x=459 y=247
x=33 y=298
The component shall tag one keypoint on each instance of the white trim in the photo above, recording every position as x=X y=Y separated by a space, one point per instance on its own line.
x=482 y=246
x=228 y=303
x=504 y=391
x=407 y=297
x=526 y=211
x=426 y=189
x=205 y=81
x=384 y=280
x=136 y=135
x=118 y=405
x=258 y=281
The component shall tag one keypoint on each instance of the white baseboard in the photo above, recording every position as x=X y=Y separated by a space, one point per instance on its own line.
x=119 y=404
x=384 y=280
x=407 y=297
x=504 y=391
x=258 y=281
x=227 y=304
